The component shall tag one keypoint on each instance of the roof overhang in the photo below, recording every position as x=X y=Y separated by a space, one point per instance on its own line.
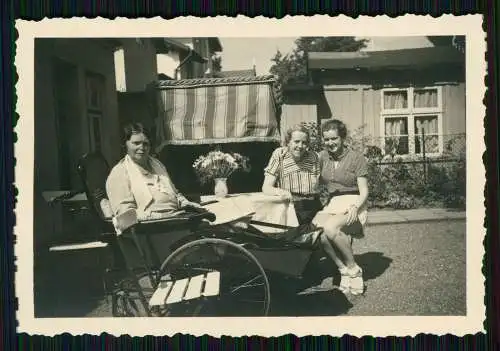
x=109 y=43
x=166 y=45
x=215 y=44
x=201 y=82
x=301 y=87
x=392 y=59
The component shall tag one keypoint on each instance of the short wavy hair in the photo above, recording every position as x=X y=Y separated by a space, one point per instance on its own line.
x=134 y=128
x=297 y=128
x=335 y=124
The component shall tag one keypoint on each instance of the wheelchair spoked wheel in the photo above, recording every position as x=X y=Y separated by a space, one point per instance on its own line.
x=243 y=286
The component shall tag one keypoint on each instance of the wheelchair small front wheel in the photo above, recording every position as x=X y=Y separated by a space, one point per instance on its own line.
x=215 y=277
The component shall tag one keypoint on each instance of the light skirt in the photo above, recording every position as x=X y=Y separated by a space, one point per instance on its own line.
x=340 y=204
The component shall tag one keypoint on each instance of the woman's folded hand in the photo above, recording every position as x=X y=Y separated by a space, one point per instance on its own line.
x=352 y=214
x=283 y=194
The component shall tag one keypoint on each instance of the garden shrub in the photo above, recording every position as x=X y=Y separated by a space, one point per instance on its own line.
x=315 y=143
x=397 y=182
x=454 y=190
x=401 y=185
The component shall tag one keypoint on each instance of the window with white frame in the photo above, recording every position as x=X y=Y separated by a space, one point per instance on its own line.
x=411 y=120
x=95 y=100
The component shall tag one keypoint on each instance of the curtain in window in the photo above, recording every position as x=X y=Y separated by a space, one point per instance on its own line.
x=396 y=126
x=395 y=100
x=425 y=98
x=430 y=126
x=428 y=123
x=396 y=136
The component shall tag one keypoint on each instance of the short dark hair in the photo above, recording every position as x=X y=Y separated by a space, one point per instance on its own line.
x=335 y=124
x=134 y=128
x=297 y=128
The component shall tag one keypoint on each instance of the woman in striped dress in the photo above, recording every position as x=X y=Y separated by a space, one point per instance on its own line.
x=293 y=174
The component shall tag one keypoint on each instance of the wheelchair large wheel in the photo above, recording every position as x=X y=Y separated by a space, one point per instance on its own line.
x=243 y=286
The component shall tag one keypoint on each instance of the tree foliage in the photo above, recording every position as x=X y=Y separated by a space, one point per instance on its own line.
x=456 y=41
x=292 y=68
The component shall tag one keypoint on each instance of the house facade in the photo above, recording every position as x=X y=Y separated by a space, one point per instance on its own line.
x=391 y=97
x=76 y=111
x=144 y=59
x=185 y=58
x=149 y=59
x=76 y=108
x=86 y=88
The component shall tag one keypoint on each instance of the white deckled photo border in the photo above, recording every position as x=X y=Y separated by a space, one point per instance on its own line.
x=320 y=25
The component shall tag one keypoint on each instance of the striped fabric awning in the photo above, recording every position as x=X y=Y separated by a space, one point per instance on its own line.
x=216 y=110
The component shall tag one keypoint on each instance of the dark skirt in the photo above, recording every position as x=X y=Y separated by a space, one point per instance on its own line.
x=306 y=209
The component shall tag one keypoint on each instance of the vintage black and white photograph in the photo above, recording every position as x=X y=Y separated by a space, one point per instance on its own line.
x=300 y=175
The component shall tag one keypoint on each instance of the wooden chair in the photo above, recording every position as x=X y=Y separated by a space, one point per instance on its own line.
x=76 y=245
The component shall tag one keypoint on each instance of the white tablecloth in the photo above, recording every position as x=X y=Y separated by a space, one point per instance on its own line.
x=260 y=207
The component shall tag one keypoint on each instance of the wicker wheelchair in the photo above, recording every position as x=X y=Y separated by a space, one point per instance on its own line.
x=208 y=270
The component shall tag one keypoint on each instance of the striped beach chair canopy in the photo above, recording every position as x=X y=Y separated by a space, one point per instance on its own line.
x=215 y=110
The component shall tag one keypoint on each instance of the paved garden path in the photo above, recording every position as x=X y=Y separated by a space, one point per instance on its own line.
x=414 y=263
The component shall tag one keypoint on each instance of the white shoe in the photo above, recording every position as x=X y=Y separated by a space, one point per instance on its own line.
x=345 y=280
x=357 y=285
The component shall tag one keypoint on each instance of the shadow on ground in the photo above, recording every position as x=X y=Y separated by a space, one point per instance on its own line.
x=316 y=294
x=314 y=302
x=65 y=289
x=71 y=291
x=374 y=264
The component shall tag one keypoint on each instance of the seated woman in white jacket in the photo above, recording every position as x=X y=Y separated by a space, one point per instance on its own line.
x=141 y=182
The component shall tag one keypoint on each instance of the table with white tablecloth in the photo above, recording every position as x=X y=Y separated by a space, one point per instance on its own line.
x=257 y=206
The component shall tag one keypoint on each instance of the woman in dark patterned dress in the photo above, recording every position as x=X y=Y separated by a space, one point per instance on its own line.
x=343 y=173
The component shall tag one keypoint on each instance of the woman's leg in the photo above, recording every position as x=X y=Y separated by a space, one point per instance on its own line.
x=332 y=228
x=330 y=251
x=344 y=283
x=306 y=211
x=344 y=244
x=352 y=275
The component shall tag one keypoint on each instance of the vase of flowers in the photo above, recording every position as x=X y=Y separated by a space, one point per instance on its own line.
x=217 y=166
x=220 y=189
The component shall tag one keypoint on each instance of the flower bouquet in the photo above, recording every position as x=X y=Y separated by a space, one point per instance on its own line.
x=218 y=166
